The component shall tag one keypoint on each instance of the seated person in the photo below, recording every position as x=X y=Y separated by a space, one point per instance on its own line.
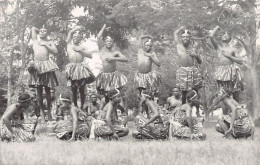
x=173 y=101
x=152 y=128
x=111 y=129
x=12 y=124
x=71 y=128
x=237 y=124
x=182 y=125
x=92 y=107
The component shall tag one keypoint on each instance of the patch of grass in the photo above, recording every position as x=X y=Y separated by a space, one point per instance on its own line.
x=214 y=150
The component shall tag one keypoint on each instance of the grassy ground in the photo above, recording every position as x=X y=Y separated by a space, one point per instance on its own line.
x=214 y=150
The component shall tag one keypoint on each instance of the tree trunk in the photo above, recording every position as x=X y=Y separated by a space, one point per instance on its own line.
x=254 y=58
x=21 y=75
x=255 y=92
x=9 y=78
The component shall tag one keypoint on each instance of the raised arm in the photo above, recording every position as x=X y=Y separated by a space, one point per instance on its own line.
x=99 y=36
x=34 y=33
x=212 y=37
x=176 y=33
x=73 y=30
x=100 y=33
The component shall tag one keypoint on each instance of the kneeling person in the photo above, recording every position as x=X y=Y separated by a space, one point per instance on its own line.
x=182 y=125
x=154 y=128
x=111 y=128
x=17 y=130
x=71 y=128
x=237 y=124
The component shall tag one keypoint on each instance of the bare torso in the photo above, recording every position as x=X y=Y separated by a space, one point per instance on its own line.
x=93 y=108
x=74 y=57
x=108 y=66
x=41 y=53
x=185 y=60
x=144 y=62
x=222 y=60
x=172 y=101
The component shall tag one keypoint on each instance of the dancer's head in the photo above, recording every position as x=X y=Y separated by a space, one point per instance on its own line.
x=176 y=92
x=109 y=42
x=64 y=100
x=24 y=99
x=77 y=37
x=43 y=32
x=185 y=37
x=145 y=94
x=147 y=44
x=93 y=97
x=226 y=37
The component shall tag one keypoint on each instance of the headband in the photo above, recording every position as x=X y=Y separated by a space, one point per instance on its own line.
x=22 y=101
x=63 y=99
x=194 y=95
x=117 y=93
x=107 y=37
x=145 y=94
x=147 y=41
x=186 y=32
x=43 y=27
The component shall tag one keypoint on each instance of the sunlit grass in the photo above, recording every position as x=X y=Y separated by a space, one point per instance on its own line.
x=215 y=150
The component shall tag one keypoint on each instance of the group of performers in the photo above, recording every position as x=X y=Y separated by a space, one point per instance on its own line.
x=94 y=120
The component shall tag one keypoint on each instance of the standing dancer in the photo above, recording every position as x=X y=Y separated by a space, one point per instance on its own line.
x=188 y=75
x=110 y=78
x=77 y=72
x=146 y=78
x=229 y=77
x=42 y=68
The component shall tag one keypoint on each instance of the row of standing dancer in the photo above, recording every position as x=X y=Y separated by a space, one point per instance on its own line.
x=110 y=82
